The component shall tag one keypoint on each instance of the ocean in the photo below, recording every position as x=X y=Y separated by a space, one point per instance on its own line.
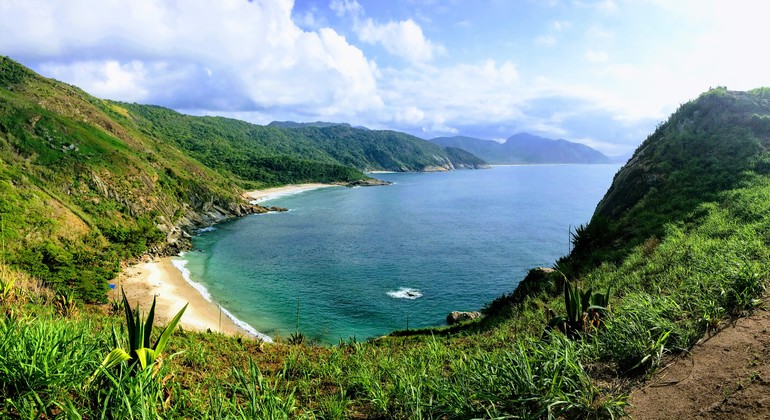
x=361 y=262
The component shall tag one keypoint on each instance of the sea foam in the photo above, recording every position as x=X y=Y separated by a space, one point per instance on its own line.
x=405 y=293
x=181 y=265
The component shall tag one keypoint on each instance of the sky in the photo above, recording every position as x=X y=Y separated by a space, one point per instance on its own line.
x=600 y=72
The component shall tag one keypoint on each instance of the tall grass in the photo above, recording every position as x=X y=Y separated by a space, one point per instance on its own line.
x=42 y=362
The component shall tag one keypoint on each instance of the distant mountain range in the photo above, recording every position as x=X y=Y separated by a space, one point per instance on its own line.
x=525 y=148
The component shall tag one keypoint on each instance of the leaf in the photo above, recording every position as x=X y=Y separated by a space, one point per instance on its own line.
x=148 y=325
x=164 y=336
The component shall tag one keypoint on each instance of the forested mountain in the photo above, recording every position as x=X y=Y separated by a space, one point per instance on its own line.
x=524 y=148
x=717 y=143
x=678 y=246
x=293 y=124
x=86 y=183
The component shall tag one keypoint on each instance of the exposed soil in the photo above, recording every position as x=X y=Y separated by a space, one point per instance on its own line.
x=725 y=376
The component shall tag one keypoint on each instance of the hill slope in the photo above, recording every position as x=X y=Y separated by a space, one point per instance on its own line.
x=713 y=144
x=80 y=192
x=524 y=148
x=87 y=183
x=679 y=243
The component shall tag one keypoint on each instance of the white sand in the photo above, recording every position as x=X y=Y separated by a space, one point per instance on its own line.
x=271 y=193
x=164 y=281
x=161 y=279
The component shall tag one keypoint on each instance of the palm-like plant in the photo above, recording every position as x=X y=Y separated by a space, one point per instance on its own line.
x=141 y=352
x=585 y=310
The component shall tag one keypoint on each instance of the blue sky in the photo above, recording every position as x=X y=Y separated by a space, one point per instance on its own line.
x=600 y=72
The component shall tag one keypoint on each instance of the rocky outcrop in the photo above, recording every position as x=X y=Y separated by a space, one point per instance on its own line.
x=538 y=280
x=455 y=317
x=370 y=182
x=178 y=234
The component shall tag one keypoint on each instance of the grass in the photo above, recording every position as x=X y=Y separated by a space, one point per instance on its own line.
x=665 y=295
x=680 y=257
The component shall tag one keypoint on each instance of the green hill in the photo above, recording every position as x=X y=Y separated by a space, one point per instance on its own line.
x=88 y=183
x=525 y=148
x=680 y=243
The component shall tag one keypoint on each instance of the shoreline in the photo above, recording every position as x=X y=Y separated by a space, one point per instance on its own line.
x=162 y=279
x=258 y=196
x=169 y=282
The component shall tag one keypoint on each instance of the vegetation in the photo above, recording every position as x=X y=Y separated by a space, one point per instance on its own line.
x=86 y=183
x=679 y=243
x=525 y=148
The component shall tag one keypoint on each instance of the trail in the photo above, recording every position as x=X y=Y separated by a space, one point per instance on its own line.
x=725 y=376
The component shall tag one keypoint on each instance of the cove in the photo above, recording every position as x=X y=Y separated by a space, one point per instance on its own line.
x=361 y=262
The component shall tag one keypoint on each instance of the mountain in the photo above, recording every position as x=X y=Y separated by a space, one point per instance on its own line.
x=292 y=124
x=87 y=183
x=677 y=249
x=716 y=143
x=279 y=155
x=524 y=148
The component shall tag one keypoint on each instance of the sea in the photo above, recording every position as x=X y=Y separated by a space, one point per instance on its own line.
x=357 y=263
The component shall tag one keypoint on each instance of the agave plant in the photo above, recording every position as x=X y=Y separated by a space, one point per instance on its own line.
x=141 y=353
x=585 y=311
x=66 y=305
x=7 y=290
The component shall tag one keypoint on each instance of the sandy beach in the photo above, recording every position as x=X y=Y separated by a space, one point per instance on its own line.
x=271 y=193
x=161 y=279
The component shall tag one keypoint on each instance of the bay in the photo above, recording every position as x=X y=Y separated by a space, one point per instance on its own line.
x=361 y=262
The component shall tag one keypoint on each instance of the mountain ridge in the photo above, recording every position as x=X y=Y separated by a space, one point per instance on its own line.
x=525 y=148
x=88 y=183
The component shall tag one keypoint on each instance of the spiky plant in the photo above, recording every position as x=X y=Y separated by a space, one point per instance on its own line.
x=141 y=353
x=585 y=311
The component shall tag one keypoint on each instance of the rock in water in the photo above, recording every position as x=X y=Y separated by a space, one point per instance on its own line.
x=456 y=317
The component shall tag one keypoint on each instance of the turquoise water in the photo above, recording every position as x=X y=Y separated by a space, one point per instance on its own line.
x=362 y=261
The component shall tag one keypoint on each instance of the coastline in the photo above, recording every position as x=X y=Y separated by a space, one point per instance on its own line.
x=162 y=279
x=168 y=281
x=258 y=196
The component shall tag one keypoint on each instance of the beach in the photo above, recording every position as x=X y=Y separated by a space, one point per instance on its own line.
x=271 y=193
x=162 y=279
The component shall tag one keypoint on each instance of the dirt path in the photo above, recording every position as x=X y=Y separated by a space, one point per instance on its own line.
x=727 y=376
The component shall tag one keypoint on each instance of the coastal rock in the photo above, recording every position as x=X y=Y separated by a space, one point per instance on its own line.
x=456 y=317
x=371 y=182
x=538 y=280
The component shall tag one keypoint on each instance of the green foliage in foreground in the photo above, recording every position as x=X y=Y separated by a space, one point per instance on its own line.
x=666 y=295
x=676 y=269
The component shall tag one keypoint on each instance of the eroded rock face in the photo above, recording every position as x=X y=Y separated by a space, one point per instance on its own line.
x=456 y=317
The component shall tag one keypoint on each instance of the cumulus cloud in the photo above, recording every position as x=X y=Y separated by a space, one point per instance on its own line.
x=404 y=39
x=248 y=54
x=450 y=97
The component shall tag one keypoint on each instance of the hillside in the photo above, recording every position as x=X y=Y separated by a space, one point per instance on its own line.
x=87 y=183
x=279 y=154
x=678 y=246
x=717 y=143
x=524 y=148
x=81 y=192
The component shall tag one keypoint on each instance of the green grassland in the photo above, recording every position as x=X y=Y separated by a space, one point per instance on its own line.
x=680 y=241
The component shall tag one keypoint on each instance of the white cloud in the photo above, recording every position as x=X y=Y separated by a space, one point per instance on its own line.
x=404 y=39
x=144 y=50
x=486 y=92
x=107 y=79
x=561 y=25
x=345 y=7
